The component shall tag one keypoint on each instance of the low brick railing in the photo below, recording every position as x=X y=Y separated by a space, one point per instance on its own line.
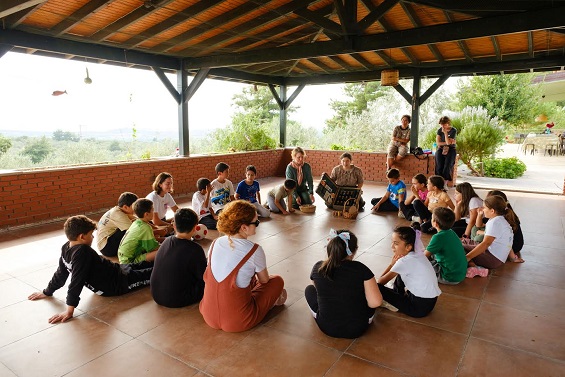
x=43 y=195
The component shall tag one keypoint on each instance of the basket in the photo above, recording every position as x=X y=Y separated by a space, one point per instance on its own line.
x=308 y=208
x=350 y=212
x=389 y=77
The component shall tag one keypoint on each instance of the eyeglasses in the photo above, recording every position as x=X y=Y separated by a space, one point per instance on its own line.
x=256 y=223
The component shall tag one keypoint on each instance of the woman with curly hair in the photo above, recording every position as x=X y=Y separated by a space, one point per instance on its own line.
x=239 y=290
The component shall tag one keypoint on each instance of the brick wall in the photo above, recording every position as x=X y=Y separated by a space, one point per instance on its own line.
x=372 y=164
x=46 y=195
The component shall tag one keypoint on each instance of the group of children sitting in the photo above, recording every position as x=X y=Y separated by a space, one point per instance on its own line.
x=469 y=237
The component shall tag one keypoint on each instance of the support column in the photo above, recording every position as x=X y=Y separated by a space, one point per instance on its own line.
x=282 y=116
x=182 y=83
x=415 y=125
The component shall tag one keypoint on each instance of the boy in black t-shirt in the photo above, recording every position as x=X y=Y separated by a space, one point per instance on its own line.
x=177 y=278
x=89 y=269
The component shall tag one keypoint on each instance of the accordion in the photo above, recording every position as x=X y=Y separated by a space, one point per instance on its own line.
x=335 y=196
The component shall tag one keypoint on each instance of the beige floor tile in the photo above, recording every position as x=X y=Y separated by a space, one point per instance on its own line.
x=134 y=313
x=532 y=332
x=487 y=359
x=410 y=347
x=134 y=358
x=451 y=313
x=14 y=291
x=33 y=313
x=526 y=296
x=548 y=275
x=188 y=338
x=5 y=372
x=348 y=365
x=471 y=288
x=62 y=348
x=281 y=354
x=297 y=320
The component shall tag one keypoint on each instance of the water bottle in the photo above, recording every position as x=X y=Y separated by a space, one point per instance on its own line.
x=434 y=148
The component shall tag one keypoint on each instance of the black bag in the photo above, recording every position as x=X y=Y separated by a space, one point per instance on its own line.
x=417 y=151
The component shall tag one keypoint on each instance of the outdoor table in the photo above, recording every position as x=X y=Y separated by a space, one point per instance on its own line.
x=539 y=141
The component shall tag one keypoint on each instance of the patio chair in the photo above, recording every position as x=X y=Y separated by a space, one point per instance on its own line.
x=532 y=145
x=552 y=149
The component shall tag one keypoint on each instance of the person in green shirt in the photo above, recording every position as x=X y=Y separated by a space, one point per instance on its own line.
x=445 y=249
x=139 y=243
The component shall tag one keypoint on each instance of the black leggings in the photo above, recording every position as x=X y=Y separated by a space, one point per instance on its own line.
x=445 y=162
x=405 y=301
x=111 y=248
x=347 y=329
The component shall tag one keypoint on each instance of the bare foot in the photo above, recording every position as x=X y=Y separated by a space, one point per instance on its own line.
x=515 y=259
x=282 y=298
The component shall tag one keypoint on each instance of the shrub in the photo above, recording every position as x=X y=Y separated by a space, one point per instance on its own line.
x=504 y=167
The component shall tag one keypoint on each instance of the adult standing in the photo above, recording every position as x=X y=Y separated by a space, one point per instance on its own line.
x=347 y=174
x=238 y=290
x=446 y=153
x=398 y=146
x=301 y=172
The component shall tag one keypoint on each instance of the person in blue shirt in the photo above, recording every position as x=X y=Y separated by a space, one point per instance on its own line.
x=248 y=189
x=395 y=194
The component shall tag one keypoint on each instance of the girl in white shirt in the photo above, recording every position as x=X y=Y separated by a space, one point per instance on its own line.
x=467 y=206
x=415 y=289
x=497 y=243
x=162 y=199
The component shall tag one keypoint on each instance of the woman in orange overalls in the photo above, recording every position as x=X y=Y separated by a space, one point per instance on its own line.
x=239 y=291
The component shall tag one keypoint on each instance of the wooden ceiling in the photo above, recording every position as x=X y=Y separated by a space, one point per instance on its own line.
x=294 y=42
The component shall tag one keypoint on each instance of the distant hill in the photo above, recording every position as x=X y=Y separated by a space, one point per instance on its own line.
x=115 y=134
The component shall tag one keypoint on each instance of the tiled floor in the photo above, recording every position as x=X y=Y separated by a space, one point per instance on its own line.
x=511 y=323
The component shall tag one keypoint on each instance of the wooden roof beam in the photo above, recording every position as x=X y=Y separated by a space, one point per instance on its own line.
x=178 y=18
x=415 y=20
x=376 y=13
x=78 y=16
x=9 y=7
x=520 y=22
x=496 y=47
x=135 y=16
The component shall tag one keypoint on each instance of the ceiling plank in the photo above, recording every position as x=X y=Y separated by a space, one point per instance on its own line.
x=248 y=27
x=520 y=22
x=137 y=15
x=78 y=16
x=216 y=22
x=9 y=7
x=15 y=19
x=178 y=18
x=415 y=20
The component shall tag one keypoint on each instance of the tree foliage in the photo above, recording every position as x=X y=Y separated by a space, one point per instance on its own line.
x=372 y=128
x=5 y=144
x=361 y=94
x=247 y=132
x=510 y=98
x=38 y=150
x=61 y=135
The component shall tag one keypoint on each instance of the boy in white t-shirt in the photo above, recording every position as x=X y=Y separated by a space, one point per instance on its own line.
x=222 y=188
x=201 y=204
x=114 y=224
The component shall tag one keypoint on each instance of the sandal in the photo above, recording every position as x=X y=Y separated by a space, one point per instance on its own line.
x=282 y=298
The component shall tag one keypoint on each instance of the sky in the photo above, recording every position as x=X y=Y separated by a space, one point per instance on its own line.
x=120 y=98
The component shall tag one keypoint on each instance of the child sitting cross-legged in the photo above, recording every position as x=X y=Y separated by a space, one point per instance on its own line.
x=139 y=243
x=445 y=249
x=344 y=293
x=177 y=278
x=415 y=289
x=248 y=189
x=395 y=194
x=114 y=224
x=89 y=269
x=202 y=205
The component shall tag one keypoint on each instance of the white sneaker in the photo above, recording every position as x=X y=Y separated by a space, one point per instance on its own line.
x=401 y=215
x=388 y=306
x=416 y=219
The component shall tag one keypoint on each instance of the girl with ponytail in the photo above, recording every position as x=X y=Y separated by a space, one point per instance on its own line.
x=344 y=293
x=493 y=251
